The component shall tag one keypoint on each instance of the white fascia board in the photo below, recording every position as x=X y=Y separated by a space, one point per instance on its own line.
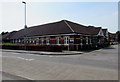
x=55 y=35
x=100 y=33
x=60 y=34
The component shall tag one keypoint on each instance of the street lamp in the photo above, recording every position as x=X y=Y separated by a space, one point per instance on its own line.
x=25 y=26
x=25 y=14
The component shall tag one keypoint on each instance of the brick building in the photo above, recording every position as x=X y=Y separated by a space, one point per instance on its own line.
x=63 y=33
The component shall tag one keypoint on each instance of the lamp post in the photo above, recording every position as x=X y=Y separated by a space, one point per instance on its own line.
x=25 y=26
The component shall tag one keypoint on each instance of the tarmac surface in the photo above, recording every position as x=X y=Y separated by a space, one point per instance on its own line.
x=96 y=65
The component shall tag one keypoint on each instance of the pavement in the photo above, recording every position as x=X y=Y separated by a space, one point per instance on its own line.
x=44 y=52
x=100 y=64
x=7 y=76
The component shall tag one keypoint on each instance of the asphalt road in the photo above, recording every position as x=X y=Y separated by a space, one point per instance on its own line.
x=7 y=76
x=96 y=65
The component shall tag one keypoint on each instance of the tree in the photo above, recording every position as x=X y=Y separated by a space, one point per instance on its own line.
x=3 y=33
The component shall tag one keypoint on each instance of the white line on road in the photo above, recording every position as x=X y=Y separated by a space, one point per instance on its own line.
x=19 y=58
x=25 y=59
x=64 y=56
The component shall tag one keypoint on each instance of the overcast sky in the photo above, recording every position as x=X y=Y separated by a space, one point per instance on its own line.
x=101 y=14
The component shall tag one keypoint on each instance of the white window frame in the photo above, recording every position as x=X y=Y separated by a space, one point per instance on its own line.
x=19 y=40
x=27 y=41
x=37 y=41
x=30 y=41
x=33 y=41
x=47 y=41
x=86 y=40
x=66 y=40
x=58 y=40
x=42 y=41
x=16 y=41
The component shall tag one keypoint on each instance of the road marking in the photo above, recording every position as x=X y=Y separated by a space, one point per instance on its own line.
x=65 y=56
x=19 y=58
x=25 y=58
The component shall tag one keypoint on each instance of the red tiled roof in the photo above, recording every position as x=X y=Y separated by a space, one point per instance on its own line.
x=113 y=35
x=8 y=35
x=61 y=27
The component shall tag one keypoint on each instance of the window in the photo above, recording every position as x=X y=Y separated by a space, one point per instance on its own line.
x=27 y=41
x=81 y=41
x=19 y=40
x=16 y=41
x=33 y=41
x=86 y=40
x=30 y=41
x=58 y=40
x=42 y=41
x=47 y=41
x=66 y=40
x=71 y=41
x=37 y=41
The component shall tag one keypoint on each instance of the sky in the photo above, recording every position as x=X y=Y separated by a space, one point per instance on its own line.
x=99 y=14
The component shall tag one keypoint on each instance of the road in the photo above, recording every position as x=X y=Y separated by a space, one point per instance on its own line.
x=96 y=65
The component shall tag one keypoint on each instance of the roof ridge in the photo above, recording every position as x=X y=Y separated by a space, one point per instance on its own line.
x=69 y=26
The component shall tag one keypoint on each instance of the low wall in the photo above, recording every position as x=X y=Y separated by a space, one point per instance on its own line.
x=54 y=48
